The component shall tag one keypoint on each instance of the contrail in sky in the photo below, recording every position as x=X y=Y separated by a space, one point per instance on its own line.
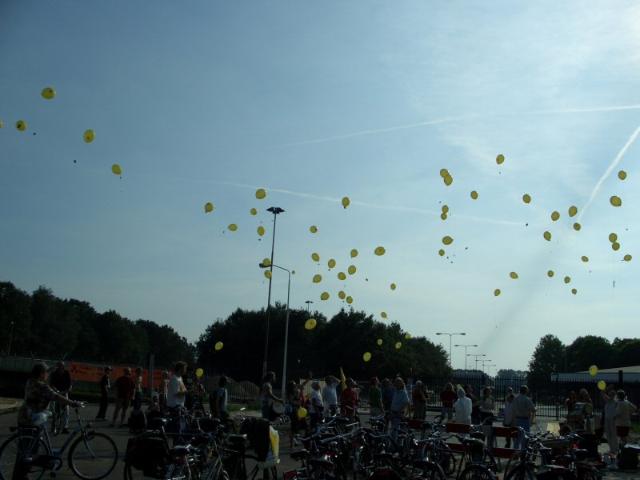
x=610 y=169
x=439 y=121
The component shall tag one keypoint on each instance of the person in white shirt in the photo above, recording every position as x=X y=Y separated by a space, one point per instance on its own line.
x=624 y=410
x=462 y=408
x=330 y=395
x=176 y=391
x=316 y=405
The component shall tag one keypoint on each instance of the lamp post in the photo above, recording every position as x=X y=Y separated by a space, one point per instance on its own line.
x=451 y=335
x=484 y=362
x=286 y=325
x=476 y=356
x=465 y=352
x=10 y=338
x=276 y=211
x=309 y=302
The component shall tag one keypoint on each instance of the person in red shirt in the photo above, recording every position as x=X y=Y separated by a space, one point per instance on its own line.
x=349 y=399
x=447 y=397
x=125 y=389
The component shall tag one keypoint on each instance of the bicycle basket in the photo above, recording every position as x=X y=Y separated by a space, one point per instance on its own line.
x=149 y=454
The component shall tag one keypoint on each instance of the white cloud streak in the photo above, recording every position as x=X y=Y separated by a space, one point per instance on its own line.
x=618 y=158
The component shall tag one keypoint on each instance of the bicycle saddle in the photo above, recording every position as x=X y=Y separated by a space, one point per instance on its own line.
x=300 y=454
x=323 y=462
x=237 y=438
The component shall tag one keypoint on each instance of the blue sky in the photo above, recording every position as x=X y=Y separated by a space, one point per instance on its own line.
x=206 y=101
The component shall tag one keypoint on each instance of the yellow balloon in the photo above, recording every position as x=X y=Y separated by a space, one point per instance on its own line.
x=21 y=125
x=615 y=246
x=547 y=236
x=116 y=169
x=331 y=263
x=383 y=314
x=573 y=211
x=315 y=257
x=260 y=230
x=567 y=279
x=448 y=180
x=574 y=291
x=602 y=385
x=398 y=345
x=266 y=262
x=301 y=413
x=443 y=216
x=613 y=237
x=379 y=251
x=342 y=276
x=577 y=227
x=310 y=324
x=232 y=227
x=219 y=346
x=267 y=273
x=366 y=356
x=199 y=372
x=627 y=258
x=379 y=342
x=317 y=278
x=349 y=300
x=445 y=209
x=341 y=295
x=351 y=270
x=392 y=286
x=261 y=193
x=89 y=136
x=555 y=215
x=500 y=159
x=354 y=253
x=441 y=252
x=48 y=93
x=324 y=296
x=497 y=292
x=550 y=273
x=622 y=175
x=584 y=258
x=253 y=211
x=616 y=201
x=345 y=202
x=313 y=229
x=513 y=275
x=208 y=207
x=444 y=172
x=526 y=198
x=447 y=240
x=474 y=195
x=593 y=370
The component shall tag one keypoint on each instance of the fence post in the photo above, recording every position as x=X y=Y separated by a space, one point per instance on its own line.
x=620 y=379
x=557 y=395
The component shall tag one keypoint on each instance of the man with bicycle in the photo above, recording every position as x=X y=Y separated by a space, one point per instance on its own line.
x=60 y=380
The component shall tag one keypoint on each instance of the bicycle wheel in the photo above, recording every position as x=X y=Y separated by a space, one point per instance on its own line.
x=93 y=456
x=520 y=472
x=431 y=471
x=477 y=472
x=18 y=446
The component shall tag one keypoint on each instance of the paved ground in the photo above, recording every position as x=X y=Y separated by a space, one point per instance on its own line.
x=121 y=435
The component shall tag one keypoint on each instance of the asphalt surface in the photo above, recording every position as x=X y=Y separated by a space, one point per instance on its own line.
x=121 y=436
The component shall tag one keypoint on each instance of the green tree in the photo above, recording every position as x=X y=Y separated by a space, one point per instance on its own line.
x=589 y=350
x=548 y=357
x=626 y=352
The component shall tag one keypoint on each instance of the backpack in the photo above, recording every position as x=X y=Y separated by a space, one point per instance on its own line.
x=137 y=421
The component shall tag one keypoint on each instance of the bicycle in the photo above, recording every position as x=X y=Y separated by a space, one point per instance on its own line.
x=58 y=415
x=92 y=455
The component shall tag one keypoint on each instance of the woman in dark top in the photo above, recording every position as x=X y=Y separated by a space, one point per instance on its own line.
x=105 y=386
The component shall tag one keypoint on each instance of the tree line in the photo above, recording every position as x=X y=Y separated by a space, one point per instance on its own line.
x=552 y=356
x=41 y=325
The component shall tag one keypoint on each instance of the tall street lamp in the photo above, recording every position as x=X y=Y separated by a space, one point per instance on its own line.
x=485 y=362
x=309 y=302
x=451 y=335
x=276 y=211
x=476 y=356
x=466 y=346
x=286 y=324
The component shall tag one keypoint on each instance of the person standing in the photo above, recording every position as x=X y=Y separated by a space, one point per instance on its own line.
x=419 y=401
x=267 y=398
x=509 y=419
x=475 y=404
x=399 y=405
x=462 y=408
x=609 y=420
x=587 y=409
x=220 y=400
x=487 y=405
x=447 y=397
x=164 y=390
x=137 y=397
x=60 y=380
x=330 y=395
x=349 y=400
x=105 y=387
x=125 y=390
x=375 y=398
x=316 y=406
x=624 y=410
x=176 y=390
x=523 y=412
